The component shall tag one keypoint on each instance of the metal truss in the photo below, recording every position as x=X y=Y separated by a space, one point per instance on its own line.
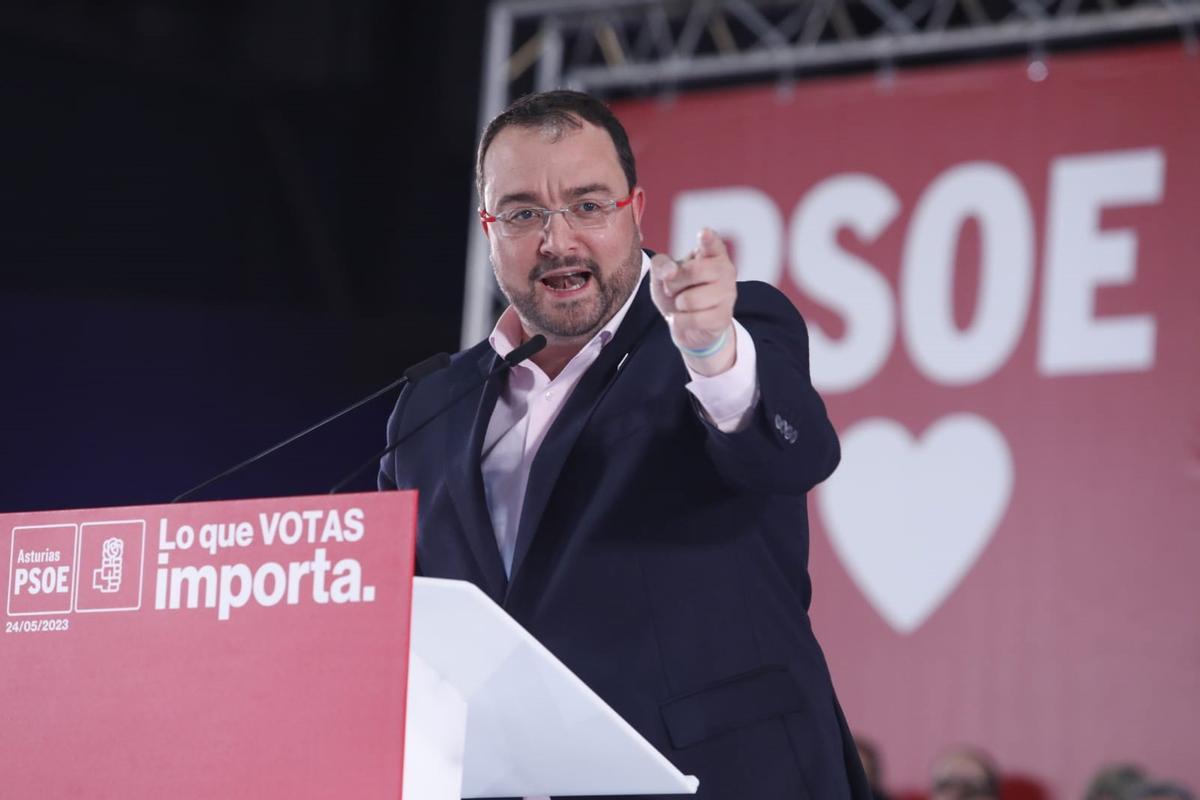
x=661 y=46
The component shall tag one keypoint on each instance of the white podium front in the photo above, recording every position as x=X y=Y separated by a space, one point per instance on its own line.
x=492 y=713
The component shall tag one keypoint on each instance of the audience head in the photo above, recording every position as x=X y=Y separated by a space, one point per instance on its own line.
x=1162 y=791
x=1116 y=782
x=964 y=774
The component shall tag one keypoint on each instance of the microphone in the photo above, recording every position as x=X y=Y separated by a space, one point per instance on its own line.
x=521 y=352
x=413 y=374
x=516 y=356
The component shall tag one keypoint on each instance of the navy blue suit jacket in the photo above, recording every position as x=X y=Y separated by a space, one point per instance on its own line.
x=663 y=561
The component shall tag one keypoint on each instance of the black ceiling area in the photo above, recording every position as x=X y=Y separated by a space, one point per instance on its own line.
x=220 y=221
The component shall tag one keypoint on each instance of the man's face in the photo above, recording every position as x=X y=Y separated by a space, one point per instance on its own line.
x=565 y=283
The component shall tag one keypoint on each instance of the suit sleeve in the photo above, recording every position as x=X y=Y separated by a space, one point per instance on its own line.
x=387 y=464
x=790 y=445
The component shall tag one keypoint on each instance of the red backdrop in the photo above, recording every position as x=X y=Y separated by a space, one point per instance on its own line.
x=1001 y=283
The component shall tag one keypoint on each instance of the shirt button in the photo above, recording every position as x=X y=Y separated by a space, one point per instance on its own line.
x=549 y=394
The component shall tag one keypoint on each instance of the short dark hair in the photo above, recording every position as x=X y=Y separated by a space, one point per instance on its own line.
x=558 y=109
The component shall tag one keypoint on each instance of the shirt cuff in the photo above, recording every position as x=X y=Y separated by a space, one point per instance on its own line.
x=729 y=399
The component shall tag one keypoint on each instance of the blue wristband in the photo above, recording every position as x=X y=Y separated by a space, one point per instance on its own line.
x=709 y=351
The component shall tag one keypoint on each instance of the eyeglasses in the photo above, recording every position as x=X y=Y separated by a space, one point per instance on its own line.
x=583 y=215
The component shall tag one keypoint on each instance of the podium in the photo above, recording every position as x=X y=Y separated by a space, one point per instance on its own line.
x=261 y=649
x=492 y=713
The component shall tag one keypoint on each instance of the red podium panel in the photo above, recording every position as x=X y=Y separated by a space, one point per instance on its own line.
x=253 y=649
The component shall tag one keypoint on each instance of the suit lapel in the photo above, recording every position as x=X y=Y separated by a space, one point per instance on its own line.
x=548 y=463
x=464 y=478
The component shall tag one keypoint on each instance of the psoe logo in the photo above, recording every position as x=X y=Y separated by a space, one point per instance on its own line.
x=107 y=578
x=110 y=554
x=41 y=569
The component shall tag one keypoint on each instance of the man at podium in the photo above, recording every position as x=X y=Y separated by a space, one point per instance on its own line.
x=635 y=494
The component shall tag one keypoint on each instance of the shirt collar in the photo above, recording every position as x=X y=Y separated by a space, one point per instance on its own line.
x=507 y=333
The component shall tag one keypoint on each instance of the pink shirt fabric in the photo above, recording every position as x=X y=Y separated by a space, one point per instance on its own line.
x=530 y=401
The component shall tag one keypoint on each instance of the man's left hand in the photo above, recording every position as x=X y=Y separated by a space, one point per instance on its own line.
x=695 y=295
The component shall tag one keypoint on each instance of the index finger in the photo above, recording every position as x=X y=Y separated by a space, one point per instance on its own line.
x=711 y=245
x=692 y=272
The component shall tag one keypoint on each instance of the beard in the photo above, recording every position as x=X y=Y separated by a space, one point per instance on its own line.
x=573 y=319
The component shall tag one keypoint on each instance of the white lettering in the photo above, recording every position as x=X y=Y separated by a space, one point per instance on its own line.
x=354 y=521
x=993 y=197
x=333 y=528
x=237 y=585
x=320 y=568
x=164 y=543
x=311 y=518
x=347 y=582
x=1081 y=257
x=291 y=527
x=279 y=584
x=193 y=578
x=842 y=281
x=296 y=572
x=41 y=580
x=229 y=598
x=269 y=527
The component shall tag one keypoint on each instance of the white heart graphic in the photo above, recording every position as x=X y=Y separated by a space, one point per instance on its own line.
x=908 y=519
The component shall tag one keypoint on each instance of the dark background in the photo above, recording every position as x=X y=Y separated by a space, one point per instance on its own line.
x=218 y=222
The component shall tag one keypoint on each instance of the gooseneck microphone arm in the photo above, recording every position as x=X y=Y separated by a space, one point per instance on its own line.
x=516 y=356
x=411 y=375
